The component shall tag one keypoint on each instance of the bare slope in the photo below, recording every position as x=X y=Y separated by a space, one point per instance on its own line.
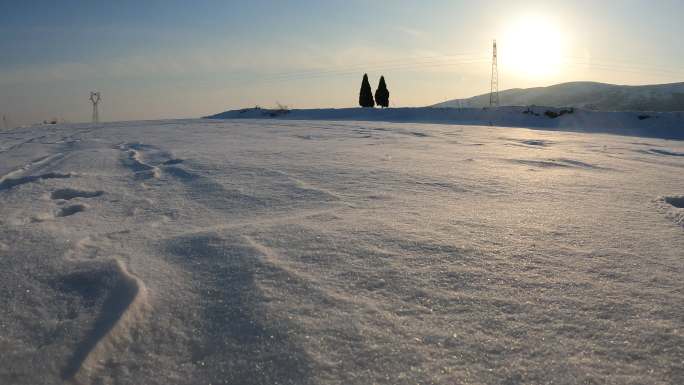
x=587 y=95
x=319 y=252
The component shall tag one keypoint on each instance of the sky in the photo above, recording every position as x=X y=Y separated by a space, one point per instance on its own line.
x=178 y=59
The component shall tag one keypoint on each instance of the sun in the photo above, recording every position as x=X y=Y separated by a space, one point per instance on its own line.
x=531 y=47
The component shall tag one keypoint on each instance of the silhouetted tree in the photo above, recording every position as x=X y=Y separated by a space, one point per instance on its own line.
x=382 y=94
x=366 y=94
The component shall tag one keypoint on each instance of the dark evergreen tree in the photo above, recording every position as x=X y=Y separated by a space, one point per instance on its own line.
x=382 y=94
x=366 y=94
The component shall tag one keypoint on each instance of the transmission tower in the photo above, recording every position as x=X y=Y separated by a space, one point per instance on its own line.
x=494 y=91
x=95 y=98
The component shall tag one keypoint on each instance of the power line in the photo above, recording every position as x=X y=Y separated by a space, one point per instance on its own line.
x=427 y=64
x=441 y=62
x=454 y=60
x=364 y=66
x=434 y=61
x=635 y=65
x=396 y=64
x=638 y=69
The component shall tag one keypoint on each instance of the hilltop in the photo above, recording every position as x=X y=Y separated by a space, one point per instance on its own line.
x=586 y=95
x=668 y=125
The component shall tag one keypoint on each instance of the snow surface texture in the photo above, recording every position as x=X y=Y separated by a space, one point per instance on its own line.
x=657 y=125
x=587 y=95
x=312 y=252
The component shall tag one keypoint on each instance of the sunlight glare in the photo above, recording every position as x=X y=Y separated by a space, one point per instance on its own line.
x=531 y=47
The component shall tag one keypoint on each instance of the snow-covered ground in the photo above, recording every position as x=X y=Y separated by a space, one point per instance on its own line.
x=333 y=252
x=665 y=125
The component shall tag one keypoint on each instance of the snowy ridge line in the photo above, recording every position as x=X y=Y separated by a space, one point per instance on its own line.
x=13 y=182
x=34 y=163
x=587 y=95
x=305 y=185
x=272 y=219
x=272 y=259
x=17 y=145
x=666 y=125
x=557 y=163
x=125 y=307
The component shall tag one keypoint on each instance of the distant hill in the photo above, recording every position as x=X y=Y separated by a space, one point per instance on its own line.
x=587 y=95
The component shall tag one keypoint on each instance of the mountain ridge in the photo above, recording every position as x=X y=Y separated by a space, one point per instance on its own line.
x=594 y=96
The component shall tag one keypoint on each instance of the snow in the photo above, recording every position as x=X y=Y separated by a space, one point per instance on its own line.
x=587 y=95
x=668 y=125
x=264 y=251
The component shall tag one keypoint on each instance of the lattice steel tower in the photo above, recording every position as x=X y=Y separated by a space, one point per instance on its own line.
x=494 y=90
x=95 y=98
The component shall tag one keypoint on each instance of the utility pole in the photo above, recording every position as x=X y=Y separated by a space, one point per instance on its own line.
x=494 y=90
x=95 y=99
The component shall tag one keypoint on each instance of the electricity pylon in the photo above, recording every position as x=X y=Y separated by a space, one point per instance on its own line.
x=95 y=98
x=494 y=90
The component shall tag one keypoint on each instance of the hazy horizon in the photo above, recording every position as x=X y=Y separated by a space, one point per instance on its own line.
x=170 y=60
